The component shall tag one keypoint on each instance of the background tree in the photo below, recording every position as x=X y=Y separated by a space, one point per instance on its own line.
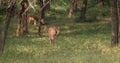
x=115 y=21
x=83 y=9
x=41 y=15
x=48 y=5
x=118 y=5
x=1 y=2
x=41 y=20
x=10 y=11
x=72 y=7
x=23 y=18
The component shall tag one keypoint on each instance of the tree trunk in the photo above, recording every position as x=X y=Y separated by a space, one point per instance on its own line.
x=114 y=16
x=23 y=18
x=10 y=11
x=4 y=32
x=71 y=8
x=1 y=2
x=119 y=13
x=25 y=24
x=83 y=9
x=75 y=5
x=42 y=14
x=103 y=2
x=18 y=31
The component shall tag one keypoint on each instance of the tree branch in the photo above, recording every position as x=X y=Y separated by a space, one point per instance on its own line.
x=45 y=5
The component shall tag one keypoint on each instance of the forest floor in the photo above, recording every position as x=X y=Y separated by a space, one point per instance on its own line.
x=77 y=42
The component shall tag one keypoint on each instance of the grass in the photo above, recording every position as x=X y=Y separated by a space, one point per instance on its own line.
x=78 y=42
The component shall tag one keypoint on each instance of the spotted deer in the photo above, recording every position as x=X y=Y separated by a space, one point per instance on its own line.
x=52 y=32
x=35 y=20
x=32 y=19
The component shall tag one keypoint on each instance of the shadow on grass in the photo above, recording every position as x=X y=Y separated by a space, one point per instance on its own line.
x=85 y=29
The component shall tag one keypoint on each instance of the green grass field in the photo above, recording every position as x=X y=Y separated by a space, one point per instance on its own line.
x=78 y=42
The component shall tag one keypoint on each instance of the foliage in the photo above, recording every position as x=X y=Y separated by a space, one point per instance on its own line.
x=97 y=12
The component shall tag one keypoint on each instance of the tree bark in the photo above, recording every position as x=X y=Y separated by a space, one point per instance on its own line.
x=1 y=2
x=42 y=14
x=25 y=24
x=75 y=5
x=22 y=19
x=115 y=21
x=72 y=7
x=10 y=11
x=118 y=5
x=25 y=5
x=83 y=9
x=18 y=31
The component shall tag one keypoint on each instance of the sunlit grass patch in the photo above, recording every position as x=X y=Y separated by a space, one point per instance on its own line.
x=78 y=42
x=81 y=42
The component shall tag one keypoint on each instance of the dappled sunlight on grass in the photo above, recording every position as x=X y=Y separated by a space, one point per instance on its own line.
x=78 y=42
x=82 y=42
x=26 y=49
